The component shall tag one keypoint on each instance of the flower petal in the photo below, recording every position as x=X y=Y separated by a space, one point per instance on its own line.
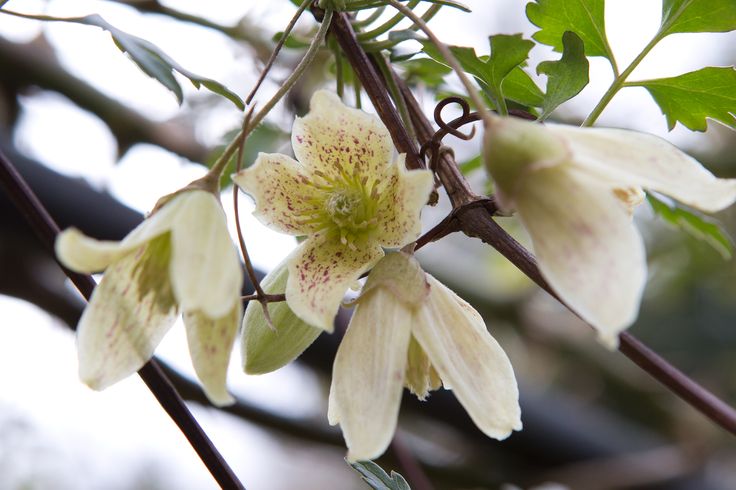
x=205 y=271
x=320 y=271
x=210 y=345
x=83 y=254
x=286 y=200
x=335 y=139
x=368 y=374
x=122 y=325
x=469 y=360
x=406 y=193
x=650 y=162
x=587 y=246
x=265 y=349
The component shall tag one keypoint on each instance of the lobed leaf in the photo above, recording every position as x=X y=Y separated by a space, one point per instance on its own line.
x=583 y=17
x=695 y=225
x=567 y=76
x=378 y=479
x=698 y=16
x=692 y=97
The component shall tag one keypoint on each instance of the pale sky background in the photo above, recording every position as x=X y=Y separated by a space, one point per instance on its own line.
x=109 y=435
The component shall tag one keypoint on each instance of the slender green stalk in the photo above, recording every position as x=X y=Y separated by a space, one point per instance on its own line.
x=319 y=38
x=277 y=49
x=358 y=24
x=386 y=26
x=358 y=89
x=620 y=80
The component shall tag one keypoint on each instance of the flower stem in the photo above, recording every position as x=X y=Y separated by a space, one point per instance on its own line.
x=619 y=81
x=221 y=164
x=36 y=215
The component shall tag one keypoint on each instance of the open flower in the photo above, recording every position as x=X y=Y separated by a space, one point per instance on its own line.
x=180 y=257
x=574 y=189
x=347 y=193
x=409 y=329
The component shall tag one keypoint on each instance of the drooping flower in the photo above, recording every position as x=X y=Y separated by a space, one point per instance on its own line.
x=180 y=258
x=574 y=190
x=408 y=329
x=346 y=192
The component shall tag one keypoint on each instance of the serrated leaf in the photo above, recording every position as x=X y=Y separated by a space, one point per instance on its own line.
x=565 y=77
x=698 y=16
x=378 y=479
x=695 y=96
x=583 y=17
x=698 y=226
x=155 y=63
x=508 y=54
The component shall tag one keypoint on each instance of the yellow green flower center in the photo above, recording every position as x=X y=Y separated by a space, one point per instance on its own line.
x=347 y=205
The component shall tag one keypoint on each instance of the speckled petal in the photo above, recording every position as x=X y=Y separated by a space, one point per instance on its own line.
x=286 y=200
x=121 y=326
x=320 y=271
x=469 y=360
x=210 y=345
x=587 y=246
x=648 y=161
x=335 y=139
x=401 y=203
x=205 y=271
x=368 y=374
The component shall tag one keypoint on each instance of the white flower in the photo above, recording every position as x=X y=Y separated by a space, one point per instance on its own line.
x=409 y=329
x=574 y=189
x=347 y=194
x=179 y=257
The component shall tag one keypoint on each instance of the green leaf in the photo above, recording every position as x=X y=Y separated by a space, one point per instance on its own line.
x=508 y=54
x=519 y=87
x=583 y=17
x=470 y=165
x=378 y=479
x=155 y=63
x=698 y=226
x=565 y=77
x=293 y=41
x=698 y=16
x=695 y=96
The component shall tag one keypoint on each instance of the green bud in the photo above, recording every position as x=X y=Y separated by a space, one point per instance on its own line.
x=265 y=349
x=513 y=148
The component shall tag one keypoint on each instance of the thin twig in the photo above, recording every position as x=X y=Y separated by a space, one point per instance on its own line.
x=277 y=49
x=260 y=295
x=478 y=222
x=46 y=229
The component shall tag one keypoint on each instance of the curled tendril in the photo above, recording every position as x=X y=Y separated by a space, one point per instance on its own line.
x=434 y=145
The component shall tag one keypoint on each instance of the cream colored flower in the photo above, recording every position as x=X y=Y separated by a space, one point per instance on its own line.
x=346 y=191
x=180 y=257
x=408 y=329
x=574 y=189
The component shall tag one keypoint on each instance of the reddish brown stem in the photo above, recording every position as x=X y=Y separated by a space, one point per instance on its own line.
x=477 y=222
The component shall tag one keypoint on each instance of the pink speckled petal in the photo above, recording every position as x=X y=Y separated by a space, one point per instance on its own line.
x=286 y=200
x=406 y=193
x=210 y=345
x=320 y=271
x=121 y=326
x=338 y=140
